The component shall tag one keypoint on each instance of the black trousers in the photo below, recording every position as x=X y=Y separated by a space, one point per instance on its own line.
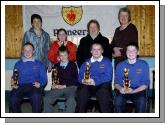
x=102 y=93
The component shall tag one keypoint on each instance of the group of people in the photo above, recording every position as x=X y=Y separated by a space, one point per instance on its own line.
x=39 y=56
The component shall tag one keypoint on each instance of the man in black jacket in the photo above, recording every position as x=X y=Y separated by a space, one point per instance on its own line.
x=94 y=36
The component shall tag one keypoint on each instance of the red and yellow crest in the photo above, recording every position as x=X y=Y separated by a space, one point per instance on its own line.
x=72 y=15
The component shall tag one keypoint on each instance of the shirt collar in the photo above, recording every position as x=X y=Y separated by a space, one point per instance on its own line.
x=26 y=60
x=64 y=64
x=32 y=30
x=94 y=37
x=94 y=60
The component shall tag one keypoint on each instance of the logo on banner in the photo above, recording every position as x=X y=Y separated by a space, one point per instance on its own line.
x=72 y=15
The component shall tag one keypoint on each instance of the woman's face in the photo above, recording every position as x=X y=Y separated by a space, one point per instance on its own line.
x=62 y=36
x=37 y=23
x=93 y=29
x=124 y=18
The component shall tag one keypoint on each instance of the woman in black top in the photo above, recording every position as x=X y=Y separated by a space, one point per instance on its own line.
x=124 y=34
x=94 y=36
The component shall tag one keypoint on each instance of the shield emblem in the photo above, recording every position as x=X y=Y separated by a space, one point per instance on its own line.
x=72 y=15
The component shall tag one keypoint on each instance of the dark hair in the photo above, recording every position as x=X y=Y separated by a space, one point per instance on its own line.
x=35 y=16
x=59 y=30
x=93 y=21
x=62 y=49
x=132 y=44
x=28 y=43
x=97 y=43
x=125 y=9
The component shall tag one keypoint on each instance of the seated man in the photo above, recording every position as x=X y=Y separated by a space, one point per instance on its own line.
x=65 y=85
x=137 y=75
x=31 y=79
x=99 y=80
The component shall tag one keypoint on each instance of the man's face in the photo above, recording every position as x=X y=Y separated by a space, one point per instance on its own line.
x=131 y=52
x=63 y=56
x=62 y=36
x=37 y=23
x=93 y=29
x=124 y=18
x=28 y=51
x=96 y=51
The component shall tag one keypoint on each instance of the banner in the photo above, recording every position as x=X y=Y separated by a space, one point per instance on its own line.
x=73 y=18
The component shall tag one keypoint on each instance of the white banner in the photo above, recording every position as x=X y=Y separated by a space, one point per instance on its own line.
x=52 y=17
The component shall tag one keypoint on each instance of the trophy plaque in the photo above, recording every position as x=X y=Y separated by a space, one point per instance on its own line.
x=126 y=81
x=55 y=79
x=15 y=77
x=87 y=72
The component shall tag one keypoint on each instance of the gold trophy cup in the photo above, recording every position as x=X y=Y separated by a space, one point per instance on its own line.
x=87 y=72
x=126 y=81
x=15 y=78
x=55 y=79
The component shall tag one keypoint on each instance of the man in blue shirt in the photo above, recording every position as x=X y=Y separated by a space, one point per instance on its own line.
x=138 y=75
x=101 y=72
x=31 y=79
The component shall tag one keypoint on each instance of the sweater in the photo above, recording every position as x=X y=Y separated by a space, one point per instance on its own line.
x=84 y=47
x=138 y=73
x=122 y=38
x=68 y=76
x=30 y=72
x=52 y=54
x=100 y=72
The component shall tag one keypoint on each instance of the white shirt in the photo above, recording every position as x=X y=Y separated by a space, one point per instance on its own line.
x=94 y=60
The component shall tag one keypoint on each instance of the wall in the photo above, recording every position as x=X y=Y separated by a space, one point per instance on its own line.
x=13 y=30
x=144 y=18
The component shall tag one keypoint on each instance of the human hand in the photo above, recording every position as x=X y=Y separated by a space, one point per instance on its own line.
x=49 y=69
x=126 y=90
x=58 y=86
x=117 y=52
x=88 y=81
x=13 y=84
x=36 y=84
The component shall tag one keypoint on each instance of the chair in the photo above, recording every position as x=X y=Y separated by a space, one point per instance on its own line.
x=151 y=94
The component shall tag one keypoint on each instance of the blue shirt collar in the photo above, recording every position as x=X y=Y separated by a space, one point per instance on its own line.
x=26 y=60
x=64 y=64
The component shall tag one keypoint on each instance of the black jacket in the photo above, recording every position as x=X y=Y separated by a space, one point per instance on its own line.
x=84 y=47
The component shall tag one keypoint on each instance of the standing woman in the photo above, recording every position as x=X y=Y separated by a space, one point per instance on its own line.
x=94 y=36
x=39 y=38
x=61 y=40
x=124 y=34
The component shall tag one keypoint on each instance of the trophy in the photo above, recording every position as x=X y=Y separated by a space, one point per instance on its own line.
x=126 y=81
x=55 y=79
x=87 y=72
x=15 y=77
